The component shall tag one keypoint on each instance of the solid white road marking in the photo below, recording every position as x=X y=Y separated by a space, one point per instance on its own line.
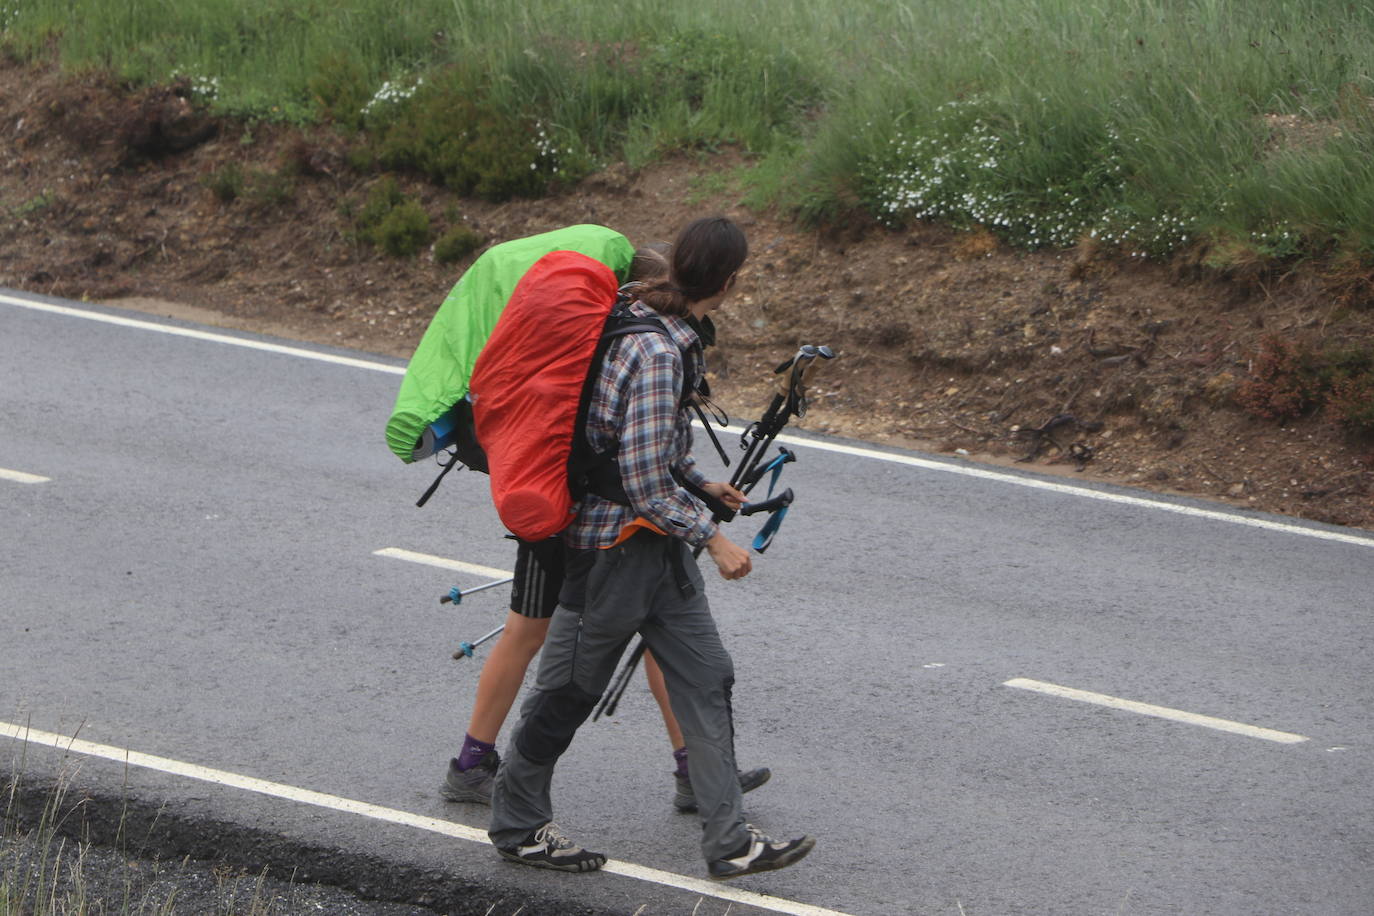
x=839 y=448
x=21 y=477
x=389 y=815
x=1148 y=709
x=194 y=334
x=410 y=556
x=1053 y=487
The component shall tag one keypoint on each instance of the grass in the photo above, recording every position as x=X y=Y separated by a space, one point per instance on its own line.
x=1147 y=125
x=44 y=871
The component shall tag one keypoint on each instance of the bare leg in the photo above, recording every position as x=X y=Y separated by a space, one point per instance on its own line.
x=504 y=672
x=660 y=691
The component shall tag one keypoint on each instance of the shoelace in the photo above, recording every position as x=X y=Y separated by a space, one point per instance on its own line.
x=758 y=835
x=551 y=835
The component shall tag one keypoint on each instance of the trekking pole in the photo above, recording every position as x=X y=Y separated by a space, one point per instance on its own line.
x=611 y=698
x=465 y=648
x=756 y=439
x=456 y=595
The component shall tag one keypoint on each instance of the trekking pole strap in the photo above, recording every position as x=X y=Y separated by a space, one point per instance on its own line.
x=452 y=462
x=777 y=505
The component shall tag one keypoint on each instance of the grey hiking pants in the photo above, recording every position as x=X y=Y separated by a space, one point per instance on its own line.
x=631 y=587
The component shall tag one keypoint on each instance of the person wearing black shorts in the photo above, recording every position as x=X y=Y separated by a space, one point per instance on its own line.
x=534 y=596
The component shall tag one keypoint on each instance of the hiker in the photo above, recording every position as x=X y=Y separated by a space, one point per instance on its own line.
x=533 y=597
x=630 y=568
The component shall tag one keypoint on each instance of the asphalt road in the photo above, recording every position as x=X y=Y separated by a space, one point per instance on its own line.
x=197 y=577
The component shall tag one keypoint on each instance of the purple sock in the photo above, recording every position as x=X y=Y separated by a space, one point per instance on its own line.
x=680 y=755
x=473 y=752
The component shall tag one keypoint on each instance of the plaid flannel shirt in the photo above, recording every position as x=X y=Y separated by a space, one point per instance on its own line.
x=635 y=404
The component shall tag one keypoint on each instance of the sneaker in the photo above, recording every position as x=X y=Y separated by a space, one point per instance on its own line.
x=685 y=800
x=548 y=848
x=761 y=853
x=472 y=785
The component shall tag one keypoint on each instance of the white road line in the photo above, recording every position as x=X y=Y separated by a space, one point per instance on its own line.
x=1147 y=709
x=1119 y=498
x=427 y=559
x=839 y=448
x=389 y=815
x=203 y=335
x=21 y=477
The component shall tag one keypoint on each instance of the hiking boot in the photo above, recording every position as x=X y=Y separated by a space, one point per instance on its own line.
x=548 y=848
x=472 y=785
x=761 y=853
x=685 y=800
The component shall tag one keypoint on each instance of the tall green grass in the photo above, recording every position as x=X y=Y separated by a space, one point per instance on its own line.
x=1147 y=124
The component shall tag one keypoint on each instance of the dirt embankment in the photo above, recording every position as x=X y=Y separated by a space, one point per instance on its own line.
x=1076 y=361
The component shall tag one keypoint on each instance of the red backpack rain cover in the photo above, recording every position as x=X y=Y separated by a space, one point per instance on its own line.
x=527 y=383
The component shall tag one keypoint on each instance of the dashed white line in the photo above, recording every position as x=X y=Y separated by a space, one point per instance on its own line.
x=21 y=477
x=837 y=447
x=1148 y=709
x=427 y=559
x=389 y=815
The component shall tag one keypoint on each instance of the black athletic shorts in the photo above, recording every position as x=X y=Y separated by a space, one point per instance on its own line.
x=538 y=577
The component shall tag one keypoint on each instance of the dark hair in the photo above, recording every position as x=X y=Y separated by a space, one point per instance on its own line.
x=650 y=262
x=705 y=256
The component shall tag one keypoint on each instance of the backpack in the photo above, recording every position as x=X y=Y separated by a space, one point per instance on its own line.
x=533 y=363
x=531 y=386
x=430 y=412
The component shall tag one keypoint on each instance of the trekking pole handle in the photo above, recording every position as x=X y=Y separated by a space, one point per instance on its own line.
x=456 y=595
x=465 y=648
x=785 y=456
x=773 y=504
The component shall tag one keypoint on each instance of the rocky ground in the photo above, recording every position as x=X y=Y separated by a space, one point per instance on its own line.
x=948 y=342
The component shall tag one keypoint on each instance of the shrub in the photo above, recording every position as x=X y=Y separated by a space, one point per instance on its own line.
x=1288 y=380
x=384 y=197
x=226 y=182
x=260 y=187
x=1284 y=383
x=339 y=88
x=449 y=132
x=1352 y=403
x=397 y=225
x=403 y=231
x=270 y=189
x=456 y=244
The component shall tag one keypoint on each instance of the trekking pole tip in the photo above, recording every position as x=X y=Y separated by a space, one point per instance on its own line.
x=464 y=651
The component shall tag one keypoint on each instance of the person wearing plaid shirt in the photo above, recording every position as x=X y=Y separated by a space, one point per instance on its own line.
x=631 y=568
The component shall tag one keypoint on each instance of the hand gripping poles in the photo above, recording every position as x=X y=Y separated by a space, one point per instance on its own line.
x=789 y=401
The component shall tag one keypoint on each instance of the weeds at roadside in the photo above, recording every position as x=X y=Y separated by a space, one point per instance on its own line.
x=46 y=871
x=1289 y=380
x=388 y=219
x=35 y=205
x=1044 y=123
x=256 y=187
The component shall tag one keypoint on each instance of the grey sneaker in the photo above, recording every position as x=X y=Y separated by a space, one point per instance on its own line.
x=548 y=848
x=685 y=800
x=760 y=853
x=472 y=785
